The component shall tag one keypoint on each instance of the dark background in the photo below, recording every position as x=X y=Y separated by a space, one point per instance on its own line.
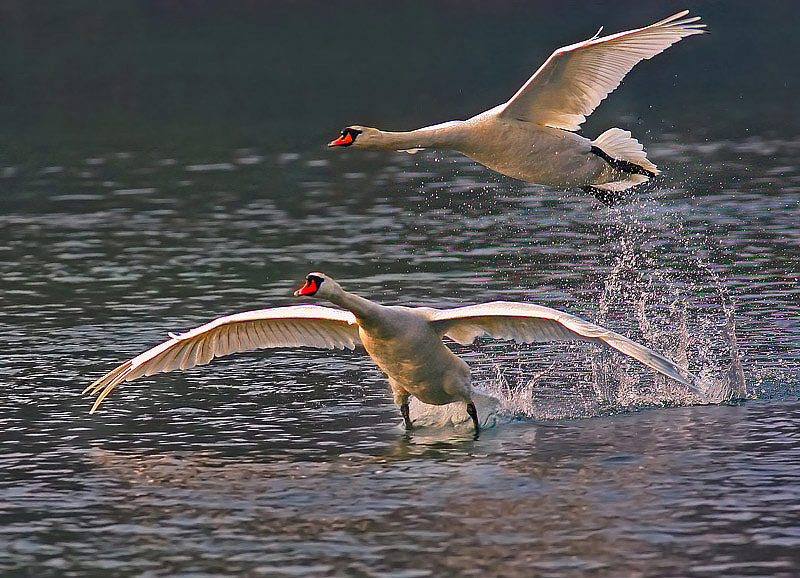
x=287 y=75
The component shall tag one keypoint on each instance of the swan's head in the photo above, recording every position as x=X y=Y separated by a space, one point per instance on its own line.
x=358 y=137
x=317 y=285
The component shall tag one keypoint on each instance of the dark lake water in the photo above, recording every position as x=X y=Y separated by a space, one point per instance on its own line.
x=133 y=203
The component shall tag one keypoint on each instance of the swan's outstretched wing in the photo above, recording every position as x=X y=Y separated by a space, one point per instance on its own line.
x=573 y=81
x=297 y=326
x=527 y=323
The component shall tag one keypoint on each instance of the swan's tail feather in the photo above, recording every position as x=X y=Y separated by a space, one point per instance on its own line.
x=624 y=151
x=625 y=154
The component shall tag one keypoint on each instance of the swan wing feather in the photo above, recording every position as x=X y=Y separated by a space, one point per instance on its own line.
x=575 y=79
x=294 y=326
x=528 y=323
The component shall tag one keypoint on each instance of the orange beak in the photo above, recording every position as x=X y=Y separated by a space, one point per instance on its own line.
x=309 y=288
x=342 y=141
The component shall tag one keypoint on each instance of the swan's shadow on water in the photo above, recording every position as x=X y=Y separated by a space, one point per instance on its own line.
x=207 y=470
x=212 y=470
x=383 y=479
x=526 y=446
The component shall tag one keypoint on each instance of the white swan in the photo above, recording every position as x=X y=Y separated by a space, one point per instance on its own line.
x=405 y=342
x=531 y=136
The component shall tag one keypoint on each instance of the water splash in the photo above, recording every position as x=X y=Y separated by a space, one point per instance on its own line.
x=660 y=289
x=679 y=306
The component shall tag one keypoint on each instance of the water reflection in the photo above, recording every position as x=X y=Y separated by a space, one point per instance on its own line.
x=568 y=497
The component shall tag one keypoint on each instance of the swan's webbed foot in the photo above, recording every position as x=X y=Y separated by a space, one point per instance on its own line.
x=608 y=198
x=473 y=413
x=406 y=416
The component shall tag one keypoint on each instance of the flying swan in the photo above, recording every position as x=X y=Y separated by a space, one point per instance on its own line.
x=405 y=342
x=532 y=136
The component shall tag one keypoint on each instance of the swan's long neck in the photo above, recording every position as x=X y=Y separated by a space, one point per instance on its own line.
x=447 y=135
x=363 y=309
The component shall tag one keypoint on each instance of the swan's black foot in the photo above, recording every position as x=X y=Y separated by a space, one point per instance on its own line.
x=608 y=198
x=622 y=165
x=406 y=416
x=473 y=413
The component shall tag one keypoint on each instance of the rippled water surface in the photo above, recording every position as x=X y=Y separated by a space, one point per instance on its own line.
x=293 y=462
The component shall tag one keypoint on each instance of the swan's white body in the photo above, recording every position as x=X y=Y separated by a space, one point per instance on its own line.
x=531 y=137
x=526 y=151
x=405 y=342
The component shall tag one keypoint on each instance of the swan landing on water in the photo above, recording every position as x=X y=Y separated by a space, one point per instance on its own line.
x=405 y=342
x=532 y=136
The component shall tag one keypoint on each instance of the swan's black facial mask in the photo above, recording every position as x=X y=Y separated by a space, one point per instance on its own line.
x=311 y=286
x=347 y=138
